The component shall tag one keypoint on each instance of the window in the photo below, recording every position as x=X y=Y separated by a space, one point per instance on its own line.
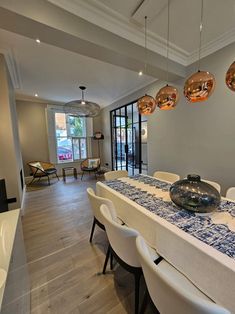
x=71 y=140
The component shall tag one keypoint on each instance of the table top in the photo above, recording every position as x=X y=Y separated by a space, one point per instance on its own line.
x=143 y=203
x=216 y=229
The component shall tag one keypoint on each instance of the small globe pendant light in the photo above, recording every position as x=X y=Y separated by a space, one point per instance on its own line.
x=230 y=77
x=168 y=96
x=201 y=84
x=146 y=104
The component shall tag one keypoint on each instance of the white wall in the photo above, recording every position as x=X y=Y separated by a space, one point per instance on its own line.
x=10 y=154
x=193 y=138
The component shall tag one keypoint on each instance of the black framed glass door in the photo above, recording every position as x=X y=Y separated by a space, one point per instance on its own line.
x=128 y=139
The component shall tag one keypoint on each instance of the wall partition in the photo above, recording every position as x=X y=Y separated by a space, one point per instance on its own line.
x=129 y=139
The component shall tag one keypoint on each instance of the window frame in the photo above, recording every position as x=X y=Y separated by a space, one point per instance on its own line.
x=79 y=138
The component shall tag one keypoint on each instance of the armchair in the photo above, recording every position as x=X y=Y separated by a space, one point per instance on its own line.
x=90 y=165
x=41 y=169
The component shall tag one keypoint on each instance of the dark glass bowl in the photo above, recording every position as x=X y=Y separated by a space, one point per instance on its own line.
x=195 y=195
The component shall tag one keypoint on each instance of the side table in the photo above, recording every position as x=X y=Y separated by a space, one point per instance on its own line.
x=69 y=169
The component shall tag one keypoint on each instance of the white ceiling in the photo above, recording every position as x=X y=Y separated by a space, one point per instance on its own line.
x=218 y=29
x=219 y=18
x=55 y=73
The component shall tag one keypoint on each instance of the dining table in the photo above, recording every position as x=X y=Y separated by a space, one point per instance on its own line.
x=200 y=246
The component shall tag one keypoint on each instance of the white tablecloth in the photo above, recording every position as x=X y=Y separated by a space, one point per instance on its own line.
x=210 y=270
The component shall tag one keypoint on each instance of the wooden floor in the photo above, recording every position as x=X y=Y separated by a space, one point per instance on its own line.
x=65 y=269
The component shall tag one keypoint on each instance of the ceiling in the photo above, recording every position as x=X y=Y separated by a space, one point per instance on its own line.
x=99 y=43
x=55 y=74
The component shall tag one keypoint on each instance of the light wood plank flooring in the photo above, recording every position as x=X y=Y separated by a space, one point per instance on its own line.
x=65 y=269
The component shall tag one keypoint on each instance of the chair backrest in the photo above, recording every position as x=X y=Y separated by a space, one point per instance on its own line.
x=96 y=202
x=231 y=193
x=35 y=166
x=112 y=175
x=121 y=238
x=92 y=163
x=169 y=297
x=166 y=176
x=214 y=184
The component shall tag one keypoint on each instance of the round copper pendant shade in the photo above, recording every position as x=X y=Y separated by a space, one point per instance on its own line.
x=199 y=86
x=230 y=77
x=146 y=105
x=167 y=97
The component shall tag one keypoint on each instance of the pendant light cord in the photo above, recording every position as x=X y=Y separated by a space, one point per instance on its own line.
x=167 y=46
x=200 y=36
x=145 y=44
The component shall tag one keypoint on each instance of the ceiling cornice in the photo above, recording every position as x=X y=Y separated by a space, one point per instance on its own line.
x=214 y=45
x=111 y=20
x=118 y=24
x=12 y=65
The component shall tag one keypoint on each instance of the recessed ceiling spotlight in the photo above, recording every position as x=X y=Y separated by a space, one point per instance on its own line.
x=83 y=102
x=140 y=73
x=36 y=95
x=38 y=40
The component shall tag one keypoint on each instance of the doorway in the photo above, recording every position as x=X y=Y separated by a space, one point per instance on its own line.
x=129 y=139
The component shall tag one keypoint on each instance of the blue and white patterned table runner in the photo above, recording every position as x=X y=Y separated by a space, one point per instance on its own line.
x=219 y=236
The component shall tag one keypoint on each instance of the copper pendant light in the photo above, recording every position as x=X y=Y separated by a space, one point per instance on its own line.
x=168 y=96
x=230 y=77
x=146 y=104
x=201 y=84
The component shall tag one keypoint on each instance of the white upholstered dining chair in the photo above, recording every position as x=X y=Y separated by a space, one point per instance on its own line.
x=231 y=193
x=96 y=202
x=214 y=184
x=123 y=248
x=112 y=175
x=166 y=176
x=170 y=290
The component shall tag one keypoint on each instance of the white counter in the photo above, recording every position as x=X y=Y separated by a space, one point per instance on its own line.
x=14 y=290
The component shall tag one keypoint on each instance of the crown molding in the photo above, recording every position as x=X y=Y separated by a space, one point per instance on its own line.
x=97 y=13
x=30 y=98
x=220 y=42
x=131 y=91
x=12 y=65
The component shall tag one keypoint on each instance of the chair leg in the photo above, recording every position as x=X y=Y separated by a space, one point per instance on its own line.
x=32 y=181
x=111 y=261
x=106 y=259
x=137 y=288
x=144 y=303
x=92 y=229
x=48 y=178
x=57 y=177
x=82 y=175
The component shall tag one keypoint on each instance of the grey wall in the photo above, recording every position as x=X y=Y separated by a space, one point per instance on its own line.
x=193 y=138
x=33 y=132
x=10 y=154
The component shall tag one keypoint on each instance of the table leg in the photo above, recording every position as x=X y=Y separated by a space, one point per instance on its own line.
x=64 y=175
x=75 y=173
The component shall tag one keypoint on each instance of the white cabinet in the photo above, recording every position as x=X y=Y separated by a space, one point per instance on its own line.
x=16 y=295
